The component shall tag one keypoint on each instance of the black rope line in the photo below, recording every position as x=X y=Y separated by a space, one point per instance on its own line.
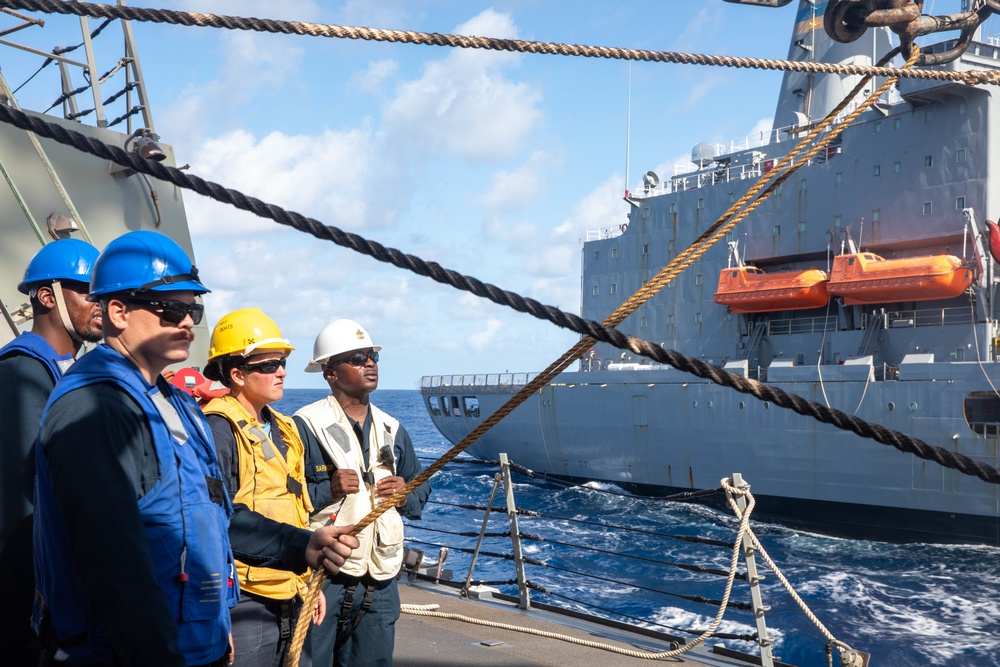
x=679 y=497
x=491 y=554
x=642 y=622
x=468 y=534
x=132 y=85
x=683 y=566
x=131 y=112
x=745 y=606
x=597 y=524
x=512 y=300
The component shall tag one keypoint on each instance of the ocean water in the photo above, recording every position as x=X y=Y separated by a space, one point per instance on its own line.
x=906 y=604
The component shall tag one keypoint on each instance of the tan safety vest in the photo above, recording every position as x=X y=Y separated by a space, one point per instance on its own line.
x=270 y=484
x=381 y=552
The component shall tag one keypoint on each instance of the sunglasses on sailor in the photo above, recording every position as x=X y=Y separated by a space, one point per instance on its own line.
x=266 y=367
x=172 y=312
x=356 y=359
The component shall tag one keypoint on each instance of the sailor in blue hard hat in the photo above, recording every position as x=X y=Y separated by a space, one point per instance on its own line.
x=133 y=559
x=56 y=281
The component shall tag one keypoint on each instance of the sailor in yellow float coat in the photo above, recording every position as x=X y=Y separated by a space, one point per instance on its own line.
x=262 y=457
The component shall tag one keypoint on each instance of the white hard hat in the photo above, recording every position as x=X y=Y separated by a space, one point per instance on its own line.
x=336 y=338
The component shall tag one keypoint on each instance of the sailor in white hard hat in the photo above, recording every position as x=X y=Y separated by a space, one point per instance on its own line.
x=357 y=455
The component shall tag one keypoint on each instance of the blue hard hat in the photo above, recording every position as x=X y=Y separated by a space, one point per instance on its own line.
x=65 y=259
x=143 y=261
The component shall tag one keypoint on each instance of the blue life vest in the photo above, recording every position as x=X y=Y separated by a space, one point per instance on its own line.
x=32 y=345
x=186 y=519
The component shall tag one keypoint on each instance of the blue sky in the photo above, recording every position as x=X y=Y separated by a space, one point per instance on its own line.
x=492 y=164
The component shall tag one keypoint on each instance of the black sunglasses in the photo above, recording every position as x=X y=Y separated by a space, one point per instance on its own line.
x=267 y=367
x=356 y=359
x=173 y=312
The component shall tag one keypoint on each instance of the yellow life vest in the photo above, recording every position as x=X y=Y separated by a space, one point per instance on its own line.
x=380 y=554
x=270 y=484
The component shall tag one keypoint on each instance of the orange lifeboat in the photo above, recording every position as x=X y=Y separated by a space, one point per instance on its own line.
x=867 y=278
x=747 y=289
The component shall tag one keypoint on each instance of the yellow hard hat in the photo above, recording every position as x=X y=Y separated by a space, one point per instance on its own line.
x=244 y=332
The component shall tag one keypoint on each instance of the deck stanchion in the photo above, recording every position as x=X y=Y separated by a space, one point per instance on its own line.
x=763 y=640
x=482 y=532
x=524 y=597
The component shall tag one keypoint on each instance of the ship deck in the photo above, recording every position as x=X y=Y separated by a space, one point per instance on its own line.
x=425 y=641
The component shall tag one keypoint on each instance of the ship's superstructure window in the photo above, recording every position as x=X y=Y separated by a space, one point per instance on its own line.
x=701 y=203
x=877 y=128
x=837 y=220
x=730 y=197
x=471 y=404
x=838 y=177
x=597 y=290
x=645 y=248
x=876 y=214
x=896 y=167
x=435 y=405
x=642 y=322
x=802 y=226
x=454 y=406
x=961 y=108
x=614 y=253
x=960 y=155
x=670 y=320
x=877 y=170
x=673 y=207
x=959 y=203
x=897 y=123
x=697 y=318
x=777 y=230
x=614 y=288
x=645 y=212
x=802 y=185
x=699 y=279
x=928 y=209
x=597 y=254
x=672 y=246
x=928 y=116
x=928 y=160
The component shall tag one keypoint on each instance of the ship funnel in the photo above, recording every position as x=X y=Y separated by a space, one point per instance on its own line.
x=807 y=97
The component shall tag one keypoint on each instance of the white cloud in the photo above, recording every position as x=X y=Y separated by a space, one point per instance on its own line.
x=485 y=338
x=463 y=105
x=376 y=77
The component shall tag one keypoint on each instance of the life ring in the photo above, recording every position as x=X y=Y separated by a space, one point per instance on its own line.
x=624 y=226
x=994 y=236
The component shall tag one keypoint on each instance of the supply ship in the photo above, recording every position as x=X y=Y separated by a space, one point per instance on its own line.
x=864 y=283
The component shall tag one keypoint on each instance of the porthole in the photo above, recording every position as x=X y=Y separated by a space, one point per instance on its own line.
x=913 y=407
x=742 y=405
x=767 y=406
x=711 y=405
x=694 y=404
x=891 y=406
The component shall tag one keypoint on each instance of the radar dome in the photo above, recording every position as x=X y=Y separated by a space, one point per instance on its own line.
x=703 y=154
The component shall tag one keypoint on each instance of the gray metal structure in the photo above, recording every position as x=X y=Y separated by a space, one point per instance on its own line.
x=46 y=181
x=909 y=178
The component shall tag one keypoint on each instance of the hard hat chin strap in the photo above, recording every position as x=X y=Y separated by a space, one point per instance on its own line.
x=57 y=294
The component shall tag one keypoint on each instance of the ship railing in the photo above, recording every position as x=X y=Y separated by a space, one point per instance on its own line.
x=986 y=429
x=555 y=568
x=486 y=383
x=801 y=325
x=604 y=233
x=925 y=317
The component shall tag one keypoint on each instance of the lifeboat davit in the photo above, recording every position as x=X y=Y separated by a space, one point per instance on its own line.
x=867 y=278
x=747 y=289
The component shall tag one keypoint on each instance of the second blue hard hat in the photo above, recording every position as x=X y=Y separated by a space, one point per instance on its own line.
x=143 y=261
x=65 y=259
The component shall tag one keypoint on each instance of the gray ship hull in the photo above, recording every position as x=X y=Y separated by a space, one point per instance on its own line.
x=661 y=430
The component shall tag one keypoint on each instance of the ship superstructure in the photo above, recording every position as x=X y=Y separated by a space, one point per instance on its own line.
x=909 y=179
